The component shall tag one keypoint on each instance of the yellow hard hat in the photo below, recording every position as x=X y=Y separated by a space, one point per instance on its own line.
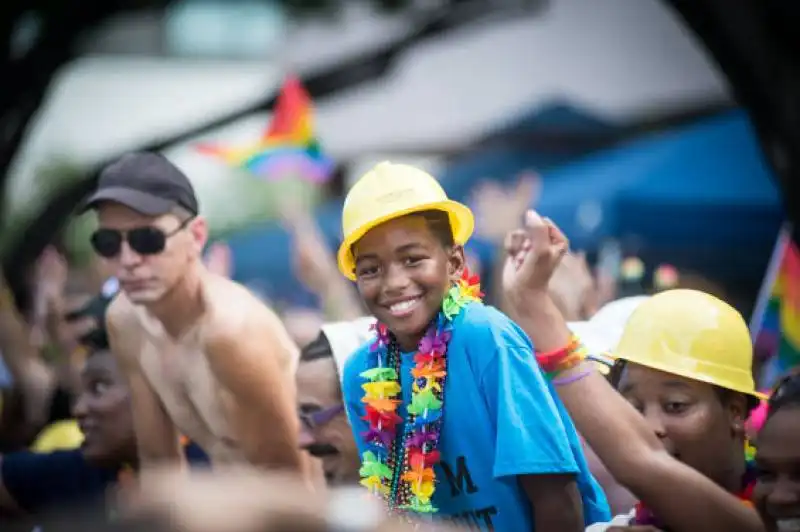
x=691 y=334
x=59 y=436
x=390 y=191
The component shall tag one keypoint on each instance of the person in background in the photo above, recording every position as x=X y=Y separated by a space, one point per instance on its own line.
x=573 y=288
x=302 y=323
x=314 y=264
x=777 y=491
x=640 y=457
x=32 y=484
x=41 y=355
x=202 y=354
x=498 y=209
x=697 y=397
x=325 y=431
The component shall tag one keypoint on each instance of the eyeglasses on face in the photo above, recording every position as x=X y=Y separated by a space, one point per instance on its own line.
x=320 y=418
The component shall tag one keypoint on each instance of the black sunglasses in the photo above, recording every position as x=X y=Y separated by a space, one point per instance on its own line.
x=320 y=418
x=147 y=240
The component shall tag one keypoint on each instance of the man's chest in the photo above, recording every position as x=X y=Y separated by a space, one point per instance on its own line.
x=183 y=380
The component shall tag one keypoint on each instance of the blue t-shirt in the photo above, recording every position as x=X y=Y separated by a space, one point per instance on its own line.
x=501 y=420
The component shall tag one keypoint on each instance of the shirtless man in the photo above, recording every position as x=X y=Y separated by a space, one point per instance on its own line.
x=204 y=358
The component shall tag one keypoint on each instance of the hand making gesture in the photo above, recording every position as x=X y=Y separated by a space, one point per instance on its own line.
x=532 y=255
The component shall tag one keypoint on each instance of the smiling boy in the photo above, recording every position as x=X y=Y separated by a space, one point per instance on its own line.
x=450 y=411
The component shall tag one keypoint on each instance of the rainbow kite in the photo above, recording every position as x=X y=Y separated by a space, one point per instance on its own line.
x=288 y=148
x=777 y=328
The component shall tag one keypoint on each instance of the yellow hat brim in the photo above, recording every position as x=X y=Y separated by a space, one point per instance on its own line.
x=462 y=223
x=689 y=371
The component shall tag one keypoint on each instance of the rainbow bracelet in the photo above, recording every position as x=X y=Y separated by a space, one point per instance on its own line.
x=555 y=362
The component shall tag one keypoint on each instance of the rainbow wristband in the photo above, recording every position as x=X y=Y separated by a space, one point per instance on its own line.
x=560 y=360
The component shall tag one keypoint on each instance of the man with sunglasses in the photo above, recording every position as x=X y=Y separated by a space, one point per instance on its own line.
x=203 y=356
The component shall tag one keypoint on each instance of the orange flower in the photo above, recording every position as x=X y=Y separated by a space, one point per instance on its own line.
x=434 y=370
x=382 y=405
x=419 y=474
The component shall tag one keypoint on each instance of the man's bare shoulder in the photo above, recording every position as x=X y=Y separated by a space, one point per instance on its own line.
x=232 y=307
x=236 y=315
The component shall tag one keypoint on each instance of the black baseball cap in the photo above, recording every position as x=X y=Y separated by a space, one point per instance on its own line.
x=145 y=182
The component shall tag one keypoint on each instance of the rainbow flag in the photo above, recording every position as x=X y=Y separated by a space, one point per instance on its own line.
x=288 y=148
x=776 y=323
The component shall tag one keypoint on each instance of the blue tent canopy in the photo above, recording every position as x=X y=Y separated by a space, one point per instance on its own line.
x=700 y=197
x=705 y=185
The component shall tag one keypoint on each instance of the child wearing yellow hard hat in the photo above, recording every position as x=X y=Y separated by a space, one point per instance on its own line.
x=685 y=362
x=449 y=409
x=678 y=441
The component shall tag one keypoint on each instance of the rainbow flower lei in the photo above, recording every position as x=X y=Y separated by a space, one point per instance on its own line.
x=399 y=465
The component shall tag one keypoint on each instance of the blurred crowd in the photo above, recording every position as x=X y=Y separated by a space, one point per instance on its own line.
x=68 y=435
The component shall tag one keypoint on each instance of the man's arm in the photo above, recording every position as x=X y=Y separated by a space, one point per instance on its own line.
x=156 y=436
x=246 y=362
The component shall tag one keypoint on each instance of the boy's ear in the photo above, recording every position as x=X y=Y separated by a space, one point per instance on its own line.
x=456 y=263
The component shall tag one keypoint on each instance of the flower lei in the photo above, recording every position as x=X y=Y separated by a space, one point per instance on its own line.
x=399 y=464
x=643 y=515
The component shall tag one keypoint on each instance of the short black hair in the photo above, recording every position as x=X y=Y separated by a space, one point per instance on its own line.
x=318 y=348
x=723 y=394
x=96 y=308
x=439 y=224
x=786 y=394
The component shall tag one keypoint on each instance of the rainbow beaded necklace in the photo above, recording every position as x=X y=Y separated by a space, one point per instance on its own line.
x=399 y=465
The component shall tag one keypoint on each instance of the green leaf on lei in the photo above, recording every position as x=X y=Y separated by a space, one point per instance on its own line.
x=453 y=303
x=423 y=401
x=372 y=467
x=380 y=374
x=419 y=507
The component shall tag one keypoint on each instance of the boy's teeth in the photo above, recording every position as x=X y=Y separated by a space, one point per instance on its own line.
x=403 y=305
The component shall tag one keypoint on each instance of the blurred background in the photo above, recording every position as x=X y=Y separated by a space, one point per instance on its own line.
x=612 y=108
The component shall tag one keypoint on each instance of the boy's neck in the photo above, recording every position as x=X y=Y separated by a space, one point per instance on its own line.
x=409 y=343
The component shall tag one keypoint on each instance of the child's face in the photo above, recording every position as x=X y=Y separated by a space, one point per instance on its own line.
x=777 y=493
x=689 y=418
x=403 y=272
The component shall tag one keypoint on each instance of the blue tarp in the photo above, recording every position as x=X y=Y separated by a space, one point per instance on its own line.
x=705 y=185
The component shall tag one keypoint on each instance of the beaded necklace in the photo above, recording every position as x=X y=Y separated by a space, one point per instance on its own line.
x=399 y=464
